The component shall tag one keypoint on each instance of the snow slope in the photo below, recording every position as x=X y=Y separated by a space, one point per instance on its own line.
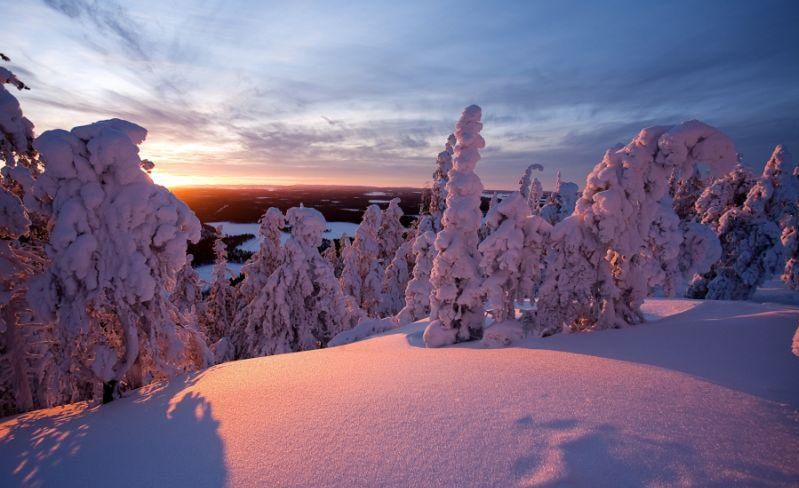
x=706 y=395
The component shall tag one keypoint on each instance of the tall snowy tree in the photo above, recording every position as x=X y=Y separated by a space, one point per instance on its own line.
x=438 y=192
x=456 y=300
x=362 y=275
x=302 y=306
x=116 y=244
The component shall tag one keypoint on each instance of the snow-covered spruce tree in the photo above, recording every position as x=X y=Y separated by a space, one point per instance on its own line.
x=724 y=193
x=362 y=275
x=568 y=294
x=391 y=233
x=395 y=280
x=188 y=293
x=662 y=252
x=417 y=293
x=331 y=254
x=534 y=198
x=561 y=202
x=790 y=241
x=116 y=244
x=302 y=306
x=752 y=250
x=438 y=192
x=501 y=255
x=621 y=199
x=526 y=180
x=456 y=300
x=537 y=233
x=258 y=268
x=685 y=191
x=220 y=304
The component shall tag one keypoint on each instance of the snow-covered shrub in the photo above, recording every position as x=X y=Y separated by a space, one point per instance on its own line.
x=456 y=300
x=417 y=293
x=750 y=235
x=501 y=255
x=117 y=243
x=362 y=274
x=438 y=192
x=301 y=306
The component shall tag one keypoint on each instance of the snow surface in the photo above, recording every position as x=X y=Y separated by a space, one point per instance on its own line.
x=707 y=395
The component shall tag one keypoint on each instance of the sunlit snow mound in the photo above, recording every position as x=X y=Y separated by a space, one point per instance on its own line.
x=706 y=393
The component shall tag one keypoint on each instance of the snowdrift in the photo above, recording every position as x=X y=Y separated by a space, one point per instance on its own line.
x=705 y=394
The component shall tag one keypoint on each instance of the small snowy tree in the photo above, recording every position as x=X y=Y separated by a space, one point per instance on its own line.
x=362 y=275
x=526 y=181
x=501 y=254
x=561 y=202
x=116 y=244
x=417 y=293
x=301 y=307
x=395 y=281
x=534 y=198
x=390 y=234
x=456 y=300
x=438 y=192
x=220 y=304
x=569 y=290
x=188 y=293
x=264 y=261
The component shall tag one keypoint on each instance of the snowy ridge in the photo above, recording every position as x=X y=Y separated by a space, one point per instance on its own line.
x=707 y=396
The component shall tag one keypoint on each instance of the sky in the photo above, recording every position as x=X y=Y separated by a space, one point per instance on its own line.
x=348 y=92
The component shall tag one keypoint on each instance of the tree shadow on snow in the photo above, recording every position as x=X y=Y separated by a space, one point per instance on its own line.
x=568 y=452
x=163 y=436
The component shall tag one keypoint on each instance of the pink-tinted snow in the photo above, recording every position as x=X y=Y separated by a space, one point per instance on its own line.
x=707 y=395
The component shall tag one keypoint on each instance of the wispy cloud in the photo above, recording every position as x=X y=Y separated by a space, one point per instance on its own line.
x=369 y=90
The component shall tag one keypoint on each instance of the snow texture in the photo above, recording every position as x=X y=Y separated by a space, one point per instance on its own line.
x=705 y=396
